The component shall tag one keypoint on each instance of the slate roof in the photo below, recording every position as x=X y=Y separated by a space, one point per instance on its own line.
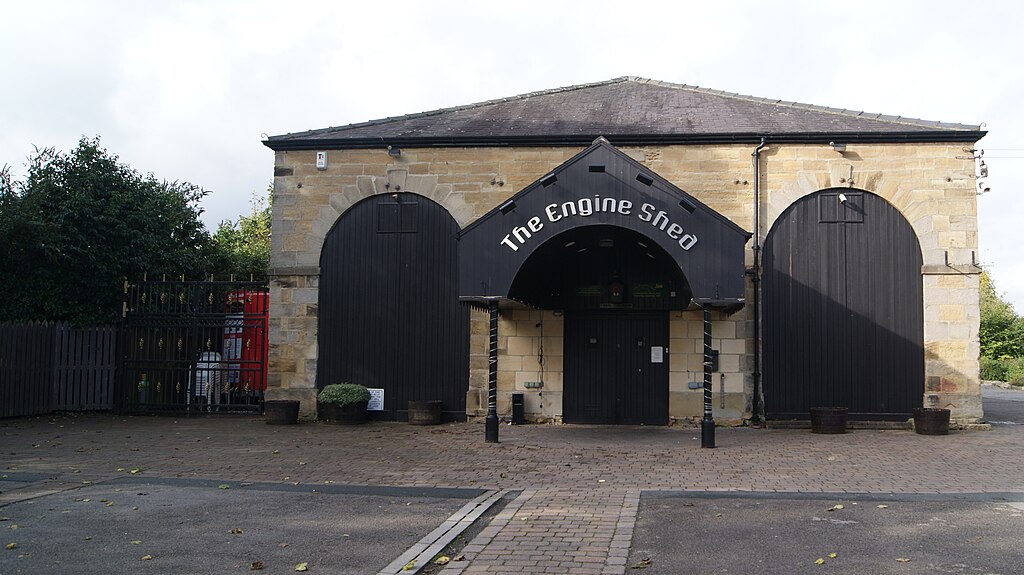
x=627 y=110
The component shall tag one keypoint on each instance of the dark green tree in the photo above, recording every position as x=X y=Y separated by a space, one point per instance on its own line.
x=241 y=249
x=1002 y=330
x=80 y=223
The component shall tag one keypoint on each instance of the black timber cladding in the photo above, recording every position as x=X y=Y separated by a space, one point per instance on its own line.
x=609 y=373
x=627 y=111
x=707 y=247
x=389 y=313
x=843 y=310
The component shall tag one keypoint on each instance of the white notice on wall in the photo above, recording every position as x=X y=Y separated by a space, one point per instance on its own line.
x=376 y=399
x=657 y=354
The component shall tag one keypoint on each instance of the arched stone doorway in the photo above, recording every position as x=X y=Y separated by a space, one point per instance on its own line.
x=843 y=311
x=389 y=316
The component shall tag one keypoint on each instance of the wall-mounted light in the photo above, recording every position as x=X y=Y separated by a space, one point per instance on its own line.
x=394 y=152
x=548 y=180
x=838 y=147
x=507 y=207
x=644 y=179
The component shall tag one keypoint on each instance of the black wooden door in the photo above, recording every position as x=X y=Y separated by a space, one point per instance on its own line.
x=389 y=315
x=611 y=375
x=843 y=315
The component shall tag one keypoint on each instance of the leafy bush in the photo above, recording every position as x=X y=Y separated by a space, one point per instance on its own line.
x=343 y=394
x=1010 y=370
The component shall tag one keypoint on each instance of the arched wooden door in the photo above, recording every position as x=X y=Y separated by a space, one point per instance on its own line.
x=843 y=317
x=389 y=314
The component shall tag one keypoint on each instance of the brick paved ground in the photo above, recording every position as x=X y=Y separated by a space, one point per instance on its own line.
x=580 y=484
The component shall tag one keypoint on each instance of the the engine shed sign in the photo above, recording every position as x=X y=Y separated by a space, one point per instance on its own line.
x=585 y=207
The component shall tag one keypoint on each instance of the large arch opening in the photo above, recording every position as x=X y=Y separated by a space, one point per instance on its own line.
x=601 y=267
x=843 y=313
x=389 y=312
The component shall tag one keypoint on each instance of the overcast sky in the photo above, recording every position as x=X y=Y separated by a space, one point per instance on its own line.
x=186 y=89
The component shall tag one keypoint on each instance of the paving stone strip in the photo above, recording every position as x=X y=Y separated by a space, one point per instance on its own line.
x=584 y=532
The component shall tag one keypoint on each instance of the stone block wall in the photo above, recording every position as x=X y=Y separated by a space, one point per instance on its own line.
x=930 y=184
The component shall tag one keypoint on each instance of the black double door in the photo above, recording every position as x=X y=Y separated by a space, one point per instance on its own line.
x=616 y=367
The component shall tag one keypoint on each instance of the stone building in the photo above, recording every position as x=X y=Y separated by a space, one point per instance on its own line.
x=833 y=251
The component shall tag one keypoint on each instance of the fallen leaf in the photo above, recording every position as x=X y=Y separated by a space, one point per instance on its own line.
x=302 y=567
x=256 y=566
x=147 y=557
x=836 y=507
x=282 y=545
x=718 y=514
x=12 y=545
x=86 y=500
x=831 y=457
x=275 y=452
x=120 y=469
x=641 y=564
x=88 y=538
x=409 y=566
x=109 y=503
x=136 y=542
x=5 y=518
x=223 y=486
x=902 y=560
x=236 y=531
x=460 y=558
x=819 y=561
x=832 y=555
x=442 y=560
x=135 y=471
x=15 y=526
x=883 y=506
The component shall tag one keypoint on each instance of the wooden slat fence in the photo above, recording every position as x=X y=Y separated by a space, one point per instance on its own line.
x=26 y=369
x=48 y=367
x=85 y=365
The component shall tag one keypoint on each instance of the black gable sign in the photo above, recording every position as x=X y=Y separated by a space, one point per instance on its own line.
x=603 y=186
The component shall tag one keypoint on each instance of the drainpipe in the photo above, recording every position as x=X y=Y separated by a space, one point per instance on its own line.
x=758 y=404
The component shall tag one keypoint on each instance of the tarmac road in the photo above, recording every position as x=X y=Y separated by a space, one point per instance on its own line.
x=190 y=527
x=770 y=535
x=1003 y=406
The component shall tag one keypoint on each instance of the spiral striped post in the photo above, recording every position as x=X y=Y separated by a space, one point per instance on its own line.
x=707 y=424
x=491 y=423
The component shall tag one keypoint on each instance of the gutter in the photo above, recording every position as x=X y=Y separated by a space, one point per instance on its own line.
x=301 y=142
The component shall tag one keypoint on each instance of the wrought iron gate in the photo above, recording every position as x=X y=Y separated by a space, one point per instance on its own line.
x=194 y=347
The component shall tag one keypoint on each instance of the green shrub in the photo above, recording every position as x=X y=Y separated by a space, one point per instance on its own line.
x=993 y=369
x=1010 y=370
x=343 y=394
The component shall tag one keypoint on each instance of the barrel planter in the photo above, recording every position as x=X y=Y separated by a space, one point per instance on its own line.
x=349 y=414
x=829 y=419
x=425 y=412
x=281 y=411
x=931 y=421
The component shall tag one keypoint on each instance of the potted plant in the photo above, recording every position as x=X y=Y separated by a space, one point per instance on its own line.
x=343 y=403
